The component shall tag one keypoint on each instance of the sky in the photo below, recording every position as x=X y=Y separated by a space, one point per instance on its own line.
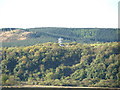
x=59 y=13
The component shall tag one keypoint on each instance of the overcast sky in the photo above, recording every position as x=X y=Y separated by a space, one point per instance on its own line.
x=59 y=13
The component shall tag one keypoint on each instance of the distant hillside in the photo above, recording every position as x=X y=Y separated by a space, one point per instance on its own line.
x=31 y=36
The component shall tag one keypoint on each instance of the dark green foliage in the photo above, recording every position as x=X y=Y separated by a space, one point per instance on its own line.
x=73 y=64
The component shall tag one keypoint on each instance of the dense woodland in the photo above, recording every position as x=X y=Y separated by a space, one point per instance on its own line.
x=74 y=64
x=51 y=34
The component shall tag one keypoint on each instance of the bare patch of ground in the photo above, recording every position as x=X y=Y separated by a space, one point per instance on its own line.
x=9 y=36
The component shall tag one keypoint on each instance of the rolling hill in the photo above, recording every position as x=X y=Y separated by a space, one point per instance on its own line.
x=31 y=36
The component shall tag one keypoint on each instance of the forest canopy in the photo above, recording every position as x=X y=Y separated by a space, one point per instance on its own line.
x=74 y=64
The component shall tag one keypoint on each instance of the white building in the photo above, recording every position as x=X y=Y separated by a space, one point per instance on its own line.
x=60 y=41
